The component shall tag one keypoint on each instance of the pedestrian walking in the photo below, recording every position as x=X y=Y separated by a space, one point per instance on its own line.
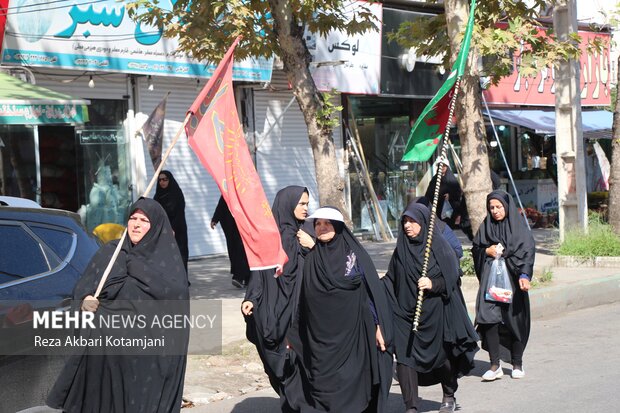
x=450 y=194
x=239 y=267
x=146 y=272
x=170 y=196
x=344 y=332
x=270 y=303
x=445 y=344
x=504 y=326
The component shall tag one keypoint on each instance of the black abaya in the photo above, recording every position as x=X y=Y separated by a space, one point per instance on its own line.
x=449 y=185
x=275 y=299
x=113 y=381
x=239 y=267
x=519 y=253
x=343 y=369
x=173 y=201
x=445 y=332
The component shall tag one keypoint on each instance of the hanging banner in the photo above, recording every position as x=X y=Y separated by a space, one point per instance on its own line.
x=100 y=36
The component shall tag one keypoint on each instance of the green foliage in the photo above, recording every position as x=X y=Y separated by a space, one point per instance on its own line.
x=501 y=31
x=467 y=264
x=544 y=278
x=600 y=241
x=325 y=115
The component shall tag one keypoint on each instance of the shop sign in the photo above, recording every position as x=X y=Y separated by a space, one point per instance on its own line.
x=347 y=63
x=81 y=35
x=101 y=136
x=26 y=114
x=595 y=80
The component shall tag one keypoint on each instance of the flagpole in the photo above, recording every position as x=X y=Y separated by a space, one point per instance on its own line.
x=164 y=158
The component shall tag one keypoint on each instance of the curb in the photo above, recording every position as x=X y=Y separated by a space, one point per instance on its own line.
x=574 y=261
x=556 y=300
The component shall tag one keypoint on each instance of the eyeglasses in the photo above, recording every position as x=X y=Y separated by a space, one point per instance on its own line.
x=163 y=179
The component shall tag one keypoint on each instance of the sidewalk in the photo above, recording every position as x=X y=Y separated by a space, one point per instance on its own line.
x=569 y=290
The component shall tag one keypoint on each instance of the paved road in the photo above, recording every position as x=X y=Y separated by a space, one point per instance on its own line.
x=572 y=364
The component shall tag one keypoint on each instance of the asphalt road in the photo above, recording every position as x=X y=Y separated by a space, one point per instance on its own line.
x=572 y=364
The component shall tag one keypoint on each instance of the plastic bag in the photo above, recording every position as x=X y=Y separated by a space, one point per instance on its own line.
x=446 y=210
x=499 y=288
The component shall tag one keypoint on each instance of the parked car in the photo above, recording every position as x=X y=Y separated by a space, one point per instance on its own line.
x=43 y=252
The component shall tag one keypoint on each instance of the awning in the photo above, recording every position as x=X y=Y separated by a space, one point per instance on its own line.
x=22 y=103
x=595 y=124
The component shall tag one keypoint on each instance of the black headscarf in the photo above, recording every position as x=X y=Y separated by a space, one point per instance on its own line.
x=275 y=299
x=444 y=330
x=519 y=253
x=336 y=329
x=173 y=201
x=512 y=232
x=150 y=270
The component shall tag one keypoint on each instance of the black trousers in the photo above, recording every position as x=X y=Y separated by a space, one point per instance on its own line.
x=490 y=335
x=408 y=381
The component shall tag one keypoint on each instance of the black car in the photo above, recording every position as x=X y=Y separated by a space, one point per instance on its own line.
x=43 y=252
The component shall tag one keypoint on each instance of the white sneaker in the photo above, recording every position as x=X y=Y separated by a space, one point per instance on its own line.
x=491 y=375
x=518 y=374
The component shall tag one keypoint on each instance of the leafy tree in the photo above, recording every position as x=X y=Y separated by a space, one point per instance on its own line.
x=269 y=27
x=502 y=27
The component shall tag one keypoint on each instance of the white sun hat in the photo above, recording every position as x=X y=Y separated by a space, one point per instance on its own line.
x=327 y=213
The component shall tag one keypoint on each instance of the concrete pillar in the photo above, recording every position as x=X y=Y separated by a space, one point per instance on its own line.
x=572 y=195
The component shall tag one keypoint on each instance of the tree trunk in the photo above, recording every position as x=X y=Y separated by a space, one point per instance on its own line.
x=474 y=155
x=614 y=175
x=296 y=59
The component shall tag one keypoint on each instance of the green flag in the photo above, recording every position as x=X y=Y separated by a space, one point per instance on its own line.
x=432 y=123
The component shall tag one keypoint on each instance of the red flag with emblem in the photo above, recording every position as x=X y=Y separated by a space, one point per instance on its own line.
x=216 y=136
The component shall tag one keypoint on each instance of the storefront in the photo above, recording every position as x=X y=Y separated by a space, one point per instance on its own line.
x=37 y=149
x=97 y=167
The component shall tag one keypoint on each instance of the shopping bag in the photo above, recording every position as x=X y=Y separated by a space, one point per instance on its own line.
x=446 y=210
x=499 y=288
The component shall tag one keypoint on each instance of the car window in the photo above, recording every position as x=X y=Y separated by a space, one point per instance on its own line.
x=58 y=240
x=22 y=255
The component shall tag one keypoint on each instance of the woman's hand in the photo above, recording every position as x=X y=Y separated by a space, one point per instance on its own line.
x=246 y=307
x=305 y=239
x=492 y=251
x=89 y=303
x=425 y=283
x=380 y=340
x=524 y=284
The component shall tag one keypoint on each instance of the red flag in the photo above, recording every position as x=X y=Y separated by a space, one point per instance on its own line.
x=216 y=136
x=4 y=11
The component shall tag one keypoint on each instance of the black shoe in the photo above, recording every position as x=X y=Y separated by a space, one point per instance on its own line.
x=448 y=407
x=237 y=284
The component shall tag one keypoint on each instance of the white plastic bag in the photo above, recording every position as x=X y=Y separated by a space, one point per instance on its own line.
x=446 y=210
x=499 y=288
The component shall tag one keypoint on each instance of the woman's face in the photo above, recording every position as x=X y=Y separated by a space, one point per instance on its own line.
x=137 y=226
x=324 y=230
x=497 y=210
x=163 y=181
x=412 y=228
x=301 y=210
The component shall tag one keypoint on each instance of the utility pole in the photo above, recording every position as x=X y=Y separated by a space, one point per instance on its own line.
x=572 y=196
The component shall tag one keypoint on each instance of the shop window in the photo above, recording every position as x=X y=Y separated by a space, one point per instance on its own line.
x=18 y=173
x=103 y=153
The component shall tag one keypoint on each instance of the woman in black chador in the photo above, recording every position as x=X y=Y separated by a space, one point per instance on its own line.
x=239 y=267
x=344 y=327
x=147 y=275
x=504 y=328
x=270 y=302
x=170 y=196
x=445 y=344
x=449 y=190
